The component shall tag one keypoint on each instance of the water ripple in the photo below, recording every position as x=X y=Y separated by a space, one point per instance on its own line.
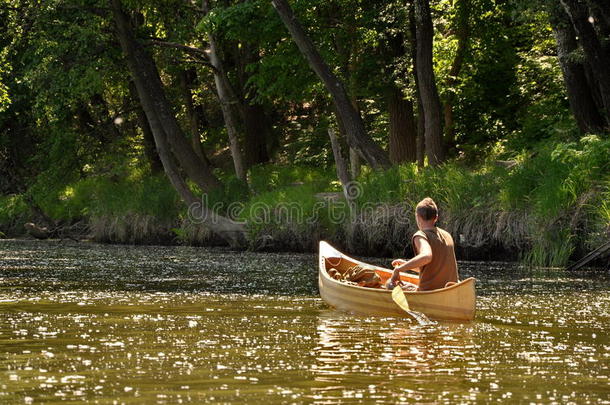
x=86 y=322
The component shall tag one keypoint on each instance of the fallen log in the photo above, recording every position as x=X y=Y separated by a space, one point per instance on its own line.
x=37 y=231
x=597 y=253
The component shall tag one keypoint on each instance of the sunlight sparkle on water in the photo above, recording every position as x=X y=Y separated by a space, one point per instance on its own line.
x=169 y=324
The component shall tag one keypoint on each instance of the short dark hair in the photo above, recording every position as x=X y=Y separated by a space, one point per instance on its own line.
x=427 y=209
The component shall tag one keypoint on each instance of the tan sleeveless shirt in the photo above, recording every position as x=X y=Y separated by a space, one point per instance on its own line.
x=443 y=267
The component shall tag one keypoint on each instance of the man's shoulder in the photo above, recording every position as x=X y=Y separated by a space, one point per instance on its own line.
x=444 y=233
x=420 y=233
x=441 y=230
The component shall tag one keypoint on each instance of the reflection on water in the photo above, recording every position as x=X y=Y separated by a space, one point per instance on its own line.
x=176 y=324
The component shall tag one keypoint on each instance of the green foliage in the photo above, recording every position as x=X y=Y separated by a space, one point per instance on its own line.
x=383 y=186
x=59 y=167
x=4 y=95
x=181 y=234
x=14 y=212
x=108 y=196
x=233 y=190
x=550 y=249
x=284 y=206
x=552 y=180
x=600 y=212
x=289 y=186
x=100 y=196
x=253 y=21
x=63 y=82
x=558 y=187
x=275 y=212
x=546 y=198
x=265 y=178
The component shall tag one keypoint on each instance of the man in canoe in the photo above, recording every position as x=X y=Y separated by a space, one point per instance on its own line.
x=434 y=254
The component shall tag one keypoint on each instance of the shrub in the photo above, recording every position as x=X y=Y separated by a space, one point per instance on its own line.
x=14 y=212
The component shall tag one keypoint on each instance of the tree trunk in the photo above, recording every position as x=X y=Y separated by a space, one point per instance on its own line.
x=593 y=86
x=601 y=8
x=355 y=160
x=150 y=91
x=591 y=45
x=403 y=133
x=187 y=78
x=420 y=142
x=99 y=125
x=427 y=83
x=228 y=102
x=111 y=133
x=421 y=137
x=462 y=34
x=150 y=150
x=232 y=232
x=582 y=102
x=86 y=124
x=354 y=126
x=355 y=163
x=258 y=131
x=343 y=173
x=155 y=104
x=449 y=124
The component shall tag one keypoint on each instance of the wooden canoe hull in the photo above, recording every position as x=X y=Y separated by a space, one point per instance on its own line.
x=454 y=303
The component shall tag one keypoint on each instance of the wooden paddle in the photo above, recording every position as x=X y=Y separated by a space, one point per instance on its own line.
x=401 y=300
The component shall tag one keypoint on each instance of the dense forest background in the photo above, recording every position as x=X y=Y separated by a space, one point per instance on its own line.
x=124 y=121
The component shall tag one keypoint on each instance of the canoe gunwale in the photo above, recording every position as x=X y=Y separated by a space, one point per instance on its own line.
x=323 y=273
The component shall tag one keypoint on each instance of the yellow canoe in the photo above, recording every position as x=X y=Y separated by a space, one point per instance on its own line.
x=454 y=303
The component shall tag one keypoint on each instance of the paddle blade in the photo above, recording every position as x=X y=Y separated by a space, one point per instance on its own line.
x=399 y=298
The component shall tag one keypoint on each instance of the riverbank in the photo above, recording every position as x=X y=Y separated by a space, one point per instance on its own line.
x=543 y=209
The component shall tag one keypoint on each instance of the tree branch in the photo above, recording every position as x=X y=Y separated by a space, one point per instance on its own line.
x=200 y=55
x=190 y=49
x=99 y=11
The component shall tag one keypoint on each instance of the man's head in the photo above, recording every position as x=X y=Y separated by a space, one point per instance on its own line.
x=426 y=213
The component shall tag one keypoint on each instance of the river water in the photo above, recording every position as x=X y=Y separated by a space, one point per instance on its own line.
x=100 y=323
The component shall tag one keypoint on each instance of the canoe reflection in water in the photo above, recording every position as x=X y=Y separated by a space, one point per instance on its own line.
x=385 y=355
x=349 y=345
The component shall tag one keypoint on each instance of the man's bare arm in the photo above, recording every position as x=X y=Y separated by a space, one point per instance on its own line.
x=421 y=259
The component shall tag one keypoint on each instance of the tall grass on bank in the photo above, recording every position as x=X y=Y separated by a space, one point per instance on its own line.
x=545 y=209
x=135 y=210
x=129 y=210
